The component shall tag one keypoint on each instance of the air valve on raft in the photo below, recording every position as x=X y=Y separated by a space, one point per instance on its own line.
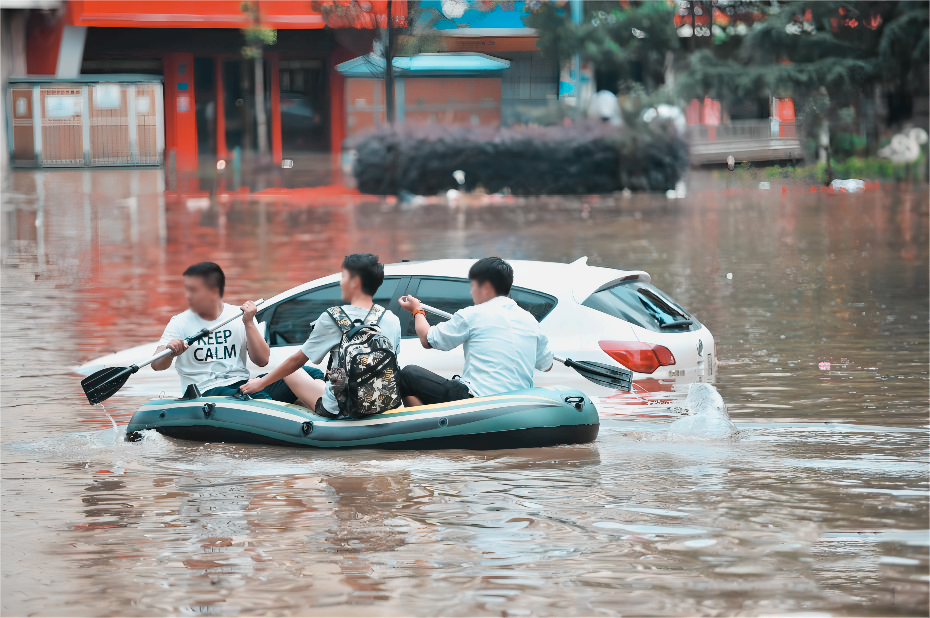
x=208 y=409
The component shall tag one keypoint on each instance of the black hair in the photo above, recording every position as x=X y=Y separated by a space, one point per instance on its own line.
x=212 y=275
x=367 y=268
x=494 y=270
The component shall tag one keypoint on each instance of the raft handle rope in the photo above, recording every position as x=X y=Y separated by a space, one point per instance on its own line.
x=577 y=402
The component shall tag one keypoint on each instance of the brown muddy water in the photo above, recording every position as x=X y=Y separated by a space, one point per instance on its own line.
x=818 y=506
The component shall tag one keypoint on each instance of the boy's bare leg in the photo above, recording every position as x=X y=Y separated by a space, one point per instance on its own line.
x=411 y=401
x=306 y=388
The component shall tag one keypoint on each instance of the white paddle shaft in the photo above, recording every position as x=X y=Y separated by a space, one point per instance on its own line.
x=436 y=311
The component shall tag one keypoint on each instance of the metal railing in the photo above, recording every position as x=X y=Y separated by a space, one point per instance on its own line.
x=764 y=139
x=88 y=121
x=762 y=128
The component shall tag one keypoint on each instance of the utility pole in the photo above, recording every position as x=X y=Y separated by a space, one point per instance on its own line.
x=577 y=16
x=390 y=114
x=261 y=119
x=570 y=70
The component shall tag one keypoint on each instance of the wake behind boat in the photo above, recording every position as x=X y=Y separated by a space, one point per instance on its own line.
x=532 y=417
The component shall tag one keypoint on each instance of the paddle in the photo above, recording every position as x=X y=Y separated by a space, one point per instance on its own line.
x=603 y=375
x=101 y=385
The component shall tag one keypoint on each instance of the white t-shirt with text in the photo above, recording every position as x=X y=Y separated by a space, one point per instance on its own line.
x=216 y=360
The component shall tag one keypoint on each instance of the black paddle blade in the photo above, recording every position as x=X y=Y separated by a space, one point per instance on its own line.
x=101 y=385
x=603 y=375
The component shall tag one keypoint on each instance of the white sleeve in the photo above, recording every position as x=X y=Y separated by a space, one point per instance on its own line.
x=172 y=331
x=543 y=353
x=322 y=339
x=449 y=334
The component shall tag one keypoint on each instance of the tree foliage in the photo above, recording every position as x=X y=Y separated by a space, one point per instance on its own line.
x=627 y=41
x=761 y=48
x=256 y=36
x=844 y=47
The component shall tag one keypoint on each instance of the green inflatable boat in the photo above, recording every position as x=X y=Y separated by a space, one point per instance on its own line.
x=531 y=417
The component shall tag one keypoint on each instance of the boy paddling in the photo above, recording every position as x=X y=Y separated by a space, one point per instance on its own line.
x=503 y=342
x=217 y=363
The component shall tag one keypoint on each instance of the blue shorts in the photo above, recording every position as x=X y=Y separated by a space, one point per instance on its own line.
x=278 y=391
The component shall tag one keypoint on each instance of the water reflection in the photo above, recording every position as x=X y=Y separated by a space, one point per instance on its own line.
x=818 y=504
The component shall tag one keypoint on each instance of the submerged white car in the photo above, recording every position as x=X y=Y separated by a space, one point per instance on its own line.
x=589 y=313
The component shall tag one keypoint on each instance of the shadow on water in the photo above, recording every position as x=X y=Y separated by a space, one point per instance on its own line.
x=818 y=501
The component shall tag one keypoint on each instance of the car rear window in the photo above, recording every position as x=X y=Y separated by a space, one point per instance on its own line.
x=535 y=302
x=643 y=304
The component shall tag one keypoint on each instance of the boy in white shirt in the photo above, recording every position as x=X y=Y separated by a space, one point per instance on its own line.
x=216 y=364
x=503 y=342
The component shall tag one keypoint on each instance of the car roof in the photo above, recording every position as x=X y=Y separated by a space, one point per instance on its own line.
x=576 y=279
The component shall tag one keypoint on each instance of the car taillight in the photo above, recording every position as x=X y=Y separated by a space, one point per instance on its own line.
x=638 y=356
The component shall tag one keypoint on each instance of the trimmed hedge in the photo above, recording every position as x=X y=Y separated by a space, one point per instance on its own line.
x=578 y=159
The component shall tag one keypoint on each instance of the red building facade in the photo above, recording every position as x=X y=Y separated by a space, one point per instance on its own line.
x=286 y=104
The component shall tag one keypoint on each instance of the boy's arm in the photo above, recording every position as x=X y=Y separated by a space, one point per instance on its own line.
x=292 y=364
x=412 y=304
x=258 y=348
x=445 y=335
x=543 y=353
x=323 y=336
x=422 y=326
x=171 y=338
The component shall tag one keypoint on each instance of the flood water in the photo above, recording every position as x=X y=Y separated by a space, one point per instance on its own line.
x=818 y=505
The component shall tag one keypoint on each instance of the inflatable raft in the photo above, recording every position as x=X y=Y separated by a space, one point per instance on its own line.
x=527 y=418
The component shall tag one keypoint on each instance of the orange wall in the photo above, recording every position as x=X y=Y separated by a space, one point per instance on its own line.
x=453 y=100
x=180 y=119
x=284 y=14
x=364 y=104
x=192 y=14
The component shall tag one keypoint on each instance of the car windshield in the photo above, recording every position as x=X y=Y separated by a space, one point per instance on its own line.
x=642 y=304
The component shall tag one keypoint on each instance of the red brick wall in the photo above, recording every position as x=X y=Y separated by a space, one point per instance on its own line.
x=447 y=101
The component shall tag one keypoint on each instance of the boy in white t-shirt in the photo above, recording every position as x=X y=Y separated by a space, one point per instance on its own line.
x=362 y=275
x=503 y=342
x=217 y=363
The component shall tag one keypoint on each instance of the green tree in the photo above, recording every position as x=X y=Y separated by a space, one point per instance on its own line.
x=637 y=43
x=256 y=37
x=823 y=54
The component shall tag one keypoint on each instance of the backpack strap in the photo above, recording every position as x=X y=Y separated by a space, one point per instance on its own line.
x=372 y=319
x=374 y=315
x=341 y=318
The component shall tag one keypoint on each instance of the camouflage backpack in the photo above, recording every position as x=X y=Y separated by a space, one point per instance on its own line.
x=363 y=367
